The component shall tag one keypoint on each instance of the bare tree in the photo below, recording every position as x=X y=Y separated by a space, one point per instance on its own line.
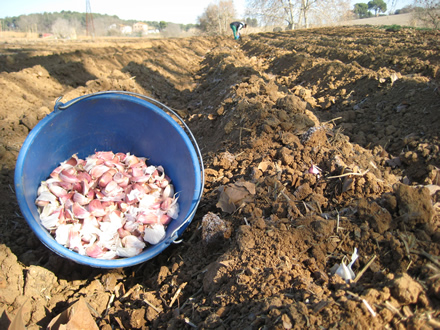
x=306 y=7
x=428 y=12
x=172 y=31
x=298 y=13
x=273 y=12
x=106 y=25
x=62 y=28
x=216 y=18
x=28 y=23
x=328 y=12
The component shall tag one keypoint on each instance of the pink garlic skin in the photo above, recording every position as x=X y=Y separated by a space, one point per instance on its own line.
x=108 y=205
x=315 y=170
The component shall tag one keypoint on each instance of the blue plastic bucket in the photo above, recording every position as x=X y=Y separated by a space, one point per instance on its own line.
x=119 y=122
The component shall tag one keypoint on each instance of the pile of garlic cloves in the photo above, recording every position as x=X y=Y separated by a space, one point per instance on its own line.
x=108 y=205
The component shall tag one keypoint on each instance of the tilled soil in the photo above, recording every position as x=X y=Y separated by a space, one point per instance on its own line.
x=361 y=103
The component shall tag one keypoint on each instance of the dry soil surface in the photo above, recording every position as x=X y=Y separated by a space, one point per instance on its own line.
x=361 y=103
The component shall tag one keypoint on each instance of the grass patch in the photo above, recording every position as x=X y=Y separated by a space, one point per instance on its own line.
x=396 y=28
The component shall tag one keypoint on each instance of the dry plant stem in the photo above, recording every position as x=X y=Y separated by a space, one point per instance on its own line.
x=358 y=298
x=321 y=305
x=319 y=207
x=435 y=270
x=306 y=207
x=285 y=196
x=434 y=323
x=347 y=174
x=342 y=240
x=110 y=302
x=92 y=310
x=151 y=305
x=393 y=309
x=354 y=295
x=373 y=313
x=191 y=298
x=428 y=256
x=331 y=120
x=407 y=311
x=176 y=295
x=187 y=321
x=337 y=223
x=129 y=292
x=364 y=269
x=406 y=245
x=280 y=193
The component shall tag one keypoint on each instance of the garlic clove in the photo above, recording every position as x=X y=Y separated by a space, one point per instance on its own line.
x=106 y=155
x=94 y=251
x=80 y=199
x=79 y=211
x=45 y=198
x=130 y=247
x=165 y=219
x=50 y=216
x=74 y=239
x=62 y=233
x=173 y=210
x=57 y=190
x=98 y=170
x=105 y=179
x=147 y=218
x=68 y=175
x=344 y=272
x=154 y=234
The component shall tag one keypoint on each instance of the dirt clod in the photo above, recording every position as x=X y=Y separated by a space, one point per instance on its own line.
x=406 y=289
x=415 y=206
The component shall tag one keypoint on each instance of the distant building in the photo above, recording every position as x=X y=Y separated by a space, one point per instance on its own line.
x=125 y=29
x=152 y=30
x=113 y=27
x=140 y=27
x=119 y=28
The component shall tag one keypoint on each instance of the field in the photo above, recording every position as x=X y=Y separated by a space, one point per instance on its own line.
x=361 y=103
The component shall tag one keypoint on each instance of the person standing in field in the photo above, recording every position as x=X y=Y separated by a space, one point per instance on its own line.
x=236 y=27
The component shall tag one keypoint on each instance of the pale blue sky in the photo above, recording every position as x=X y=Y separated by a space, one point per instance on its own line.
x=176 y=11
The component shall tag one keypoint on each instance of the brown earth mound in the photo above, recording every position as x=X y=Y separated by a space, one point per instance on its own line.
x=361 y=104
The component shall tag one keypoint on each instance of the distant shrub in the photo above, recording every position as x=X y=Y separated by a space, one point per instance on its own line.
x=393 y=28
x=404 y=10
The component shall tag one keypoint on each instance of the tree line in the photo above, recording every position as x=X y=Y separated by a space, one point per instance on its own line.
x=60 y=23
